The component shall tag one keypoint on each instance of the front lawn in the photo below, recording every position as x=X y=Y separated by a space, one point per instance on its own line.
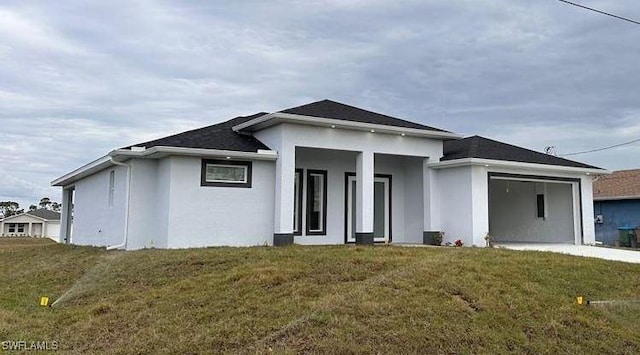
x=337 y=299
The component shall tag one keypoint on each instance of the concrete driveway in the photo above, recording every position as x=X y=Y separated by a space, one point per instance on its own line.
x=629 y=256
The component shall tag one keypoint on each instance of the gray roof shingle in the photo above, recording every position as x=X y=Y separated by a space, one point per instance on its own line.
x=217 y=136
x=484 y=148
x=340 y=111
x=46 y=214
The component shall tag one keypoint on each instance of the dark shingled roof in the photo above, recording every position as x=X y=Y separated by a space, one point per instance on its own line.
x=46 y=214
x=338 y=111
x=484 y=148
x=218 y=136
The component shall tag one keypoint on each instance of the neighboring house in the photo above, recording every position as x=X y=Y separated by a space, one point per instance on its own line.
x=324 y=173
x=36 y=223
x=616 y=204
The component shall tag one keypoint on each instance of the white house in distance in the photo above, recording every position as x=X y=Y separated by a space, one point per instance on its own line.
x=36 y=223
x=324 y=173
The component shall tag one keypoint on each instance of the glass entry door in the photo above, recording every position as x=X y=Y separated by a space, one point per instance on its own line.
x=381 y=209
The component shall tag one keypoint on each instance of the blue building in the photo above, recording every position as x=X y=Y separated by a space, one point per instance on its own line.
x=616 y=204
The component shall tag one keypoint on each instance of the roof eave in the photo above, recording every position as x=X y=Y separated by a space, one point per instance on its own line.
x=514 y=164
x=27 y=214
x=280 y=117
x=85 y=170
x=156 y=152
x=616 y=198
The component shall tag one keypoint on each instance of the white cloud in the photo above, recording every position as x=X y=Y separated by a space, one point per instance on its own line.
x=78 y=79
x=17 y=30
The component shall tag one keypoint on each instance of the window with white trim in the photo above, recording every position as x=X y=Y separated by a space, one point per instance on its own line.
x=229 y=173
x=17 y=227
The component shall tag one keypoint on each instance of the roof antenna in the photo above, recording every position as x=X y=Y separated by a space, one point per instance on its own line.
x=551 y=150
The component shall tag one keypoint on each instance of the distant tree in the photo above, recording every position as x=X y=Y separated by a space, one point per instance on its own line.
x=33 y=208
x=9 y=208
x=45 y=203
x=55 y=206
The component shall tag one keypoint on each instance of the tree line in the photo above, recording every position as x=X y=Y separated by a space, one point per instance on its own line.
x=11 y=208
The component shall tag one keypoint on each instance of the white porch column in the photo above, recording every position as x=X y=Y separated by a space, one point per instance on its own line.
x=30 y=229
x=1 y=228
x=431 y=221
x=285 y=195
x=430 y=198
x=480 y=203
x=588 y=227
x=364 y=197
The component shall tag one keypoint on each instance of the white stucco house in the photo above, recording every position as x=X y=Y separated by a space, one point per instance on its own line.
x=324 y=173
x=36 y=223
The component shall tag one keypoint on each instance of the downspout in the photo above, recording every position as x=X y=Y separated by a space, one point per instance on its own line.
x=126 y=207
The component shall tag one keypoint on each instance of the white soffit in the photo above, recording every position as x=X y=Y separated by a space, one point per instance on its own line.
x=272 y=119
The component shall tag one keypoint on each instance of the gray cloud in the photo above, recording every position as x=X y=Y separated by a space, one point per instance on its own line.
x=78 y=79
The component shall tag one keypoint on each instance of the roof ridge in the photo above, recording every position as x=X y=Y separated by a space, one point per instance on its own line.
x=331 y=109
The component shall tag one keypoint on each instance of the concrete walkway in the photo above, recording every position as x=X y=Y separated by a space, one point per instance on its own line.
x=629 y=256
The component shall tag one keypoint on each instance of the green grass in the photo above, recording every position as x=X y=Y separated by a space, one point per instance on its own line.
x=338 y=299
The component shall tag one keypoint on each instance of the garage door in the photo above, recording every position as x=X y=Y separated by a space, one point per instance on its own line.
x=532 y=211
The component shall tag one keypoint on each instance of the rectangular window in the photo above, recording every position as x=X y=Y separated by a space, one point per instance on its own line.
x=297 y=202
x=316 y=202
x=12 y=227
x=112 y=186
x=20 y=227
x=540 y=205
x=229 y=173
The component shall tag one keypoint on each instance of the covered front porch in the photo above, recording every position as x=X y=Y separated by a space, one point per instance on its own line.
x=342 y=196
x=22 y=227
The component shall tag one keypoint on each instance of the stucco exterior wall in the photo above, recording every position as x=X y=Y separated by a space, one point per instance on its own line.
x=95 y=221
x=586 y=194
x=146 y=218
x=342 y=139
x=413 y=201
x=456 y=204
x=209 y=216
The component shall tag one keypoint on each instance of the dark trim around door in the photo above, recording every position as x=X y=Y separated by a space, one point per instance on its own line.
x=346 y=205
x=324 y=202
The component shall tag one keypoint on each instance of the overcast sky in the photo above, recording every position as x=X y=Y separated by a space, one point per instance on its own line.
x=78 y=80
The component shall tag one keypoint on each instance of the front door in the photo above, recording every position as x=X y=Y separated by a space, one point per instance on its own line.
x=381 y=208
